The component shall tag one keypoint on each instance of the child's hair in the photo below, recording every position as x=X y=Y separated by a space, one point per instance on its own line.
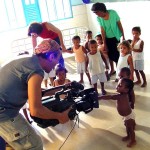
x=128 y=83
x=129 y=40
x=126 y=70
x=92 y=42
x=138 y=29
x=88 y=32
x=125 y=43
x=59 y=68
x=76 y=37
x=99 y=35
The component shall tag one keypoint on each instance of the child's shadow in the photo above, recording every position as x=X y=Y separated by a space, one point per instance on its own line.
x=142 y=128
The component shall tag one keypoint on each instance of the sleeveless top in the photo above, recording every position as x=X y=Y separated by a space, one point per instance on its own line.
x=47 y=33
x=14 y=77
x=137 y=55
x=96 y=65
x=57 y=84
x=79 y=55
x=122 y=62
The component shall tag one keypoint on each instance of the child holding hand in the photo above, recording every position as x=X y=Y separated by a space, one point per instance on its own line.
x=124 y=86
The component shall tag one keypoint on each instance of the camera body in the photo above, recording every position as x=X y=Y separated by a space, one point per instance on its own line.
x=76 y=98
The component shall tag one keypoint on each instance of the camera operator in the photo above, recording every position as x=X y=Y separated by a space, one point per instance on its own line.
x=21 y=80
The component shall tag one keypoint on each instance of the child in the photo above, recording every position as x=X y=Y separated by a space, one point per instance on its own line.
x=103 y=52
x=96 y=66
x=125 y=73
x=124 y=86
x=138 y=56
x=80 y=57
x=61 y=76
x=125 y=59
x=88 y=36
x=51 y=76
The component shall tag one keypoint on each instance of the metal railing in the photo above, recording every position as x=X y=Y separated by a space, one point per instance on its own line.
x=25 y=44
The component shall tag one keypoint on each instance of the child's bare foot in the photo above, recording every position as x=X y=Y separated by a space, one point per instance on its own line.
x=104 y=92
x=126 y=138
x=137 y=82
x=144 y=84
x=131 y=143
x=81 y=81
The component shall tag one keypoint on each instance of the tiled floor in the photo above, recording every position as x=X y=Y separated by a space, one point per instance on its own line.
x=102 y=128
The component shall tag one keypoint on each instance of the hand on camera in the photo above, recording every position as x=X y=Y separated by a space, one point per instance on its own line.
x=64 y=116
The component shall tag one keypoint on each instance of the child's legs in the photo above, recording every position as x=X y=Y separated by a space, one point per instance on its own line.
x=52 y=74
x=45 y=79
x=138 y=77
x=81 y=70
x=102 y=78
x=138 y=65
x=88 y=75
x=95 y=87
x=81 y=78
x=102 y=86
x=51 y=80
x=111 y=67
x=143 y=76
x=94 y=80
x=130 y=125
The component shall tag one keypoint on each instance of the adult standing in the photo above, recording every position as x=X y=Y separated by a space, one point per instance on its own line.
x=46 y=30
x=21 y=80
x=111 y=30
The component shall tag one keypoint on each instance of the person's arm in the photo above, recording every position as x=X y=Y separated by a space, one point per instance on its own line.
x=140 y=49
x=132 y=98
x=130 y=63
x=69 y=51
x=34 y=39
x=121 y=29
x=50 y=26
x=104 y=38
x=35 y=105
x=86 y=57
x=109 y=97
x=104 y=60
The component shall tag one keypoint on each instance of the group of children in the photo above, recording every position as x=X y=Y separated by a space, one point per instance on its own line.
x=93 y=60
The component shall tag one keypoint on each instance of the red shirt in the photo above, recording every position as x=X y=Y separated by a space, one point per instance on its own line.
x=47 y=33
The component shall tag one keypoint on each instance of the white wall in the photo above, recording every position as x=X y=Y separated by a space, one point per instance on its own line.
x=79 y=19
x=131 y=14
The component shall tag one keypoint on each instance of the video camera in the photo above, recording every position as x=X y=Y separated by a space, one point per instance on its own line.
x=75 y=97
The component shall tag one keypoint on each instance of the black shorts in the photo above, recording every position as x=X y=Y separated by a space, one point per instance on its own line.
x=113 y=52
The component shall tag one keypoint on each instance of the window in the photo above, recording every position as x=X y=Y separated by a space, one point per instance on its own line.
x=11 y=14
x=20 y=13
x=52 y=10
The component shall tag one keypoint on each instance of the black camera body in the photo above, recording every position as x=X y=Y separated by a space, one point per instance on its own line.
x=76 y=98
